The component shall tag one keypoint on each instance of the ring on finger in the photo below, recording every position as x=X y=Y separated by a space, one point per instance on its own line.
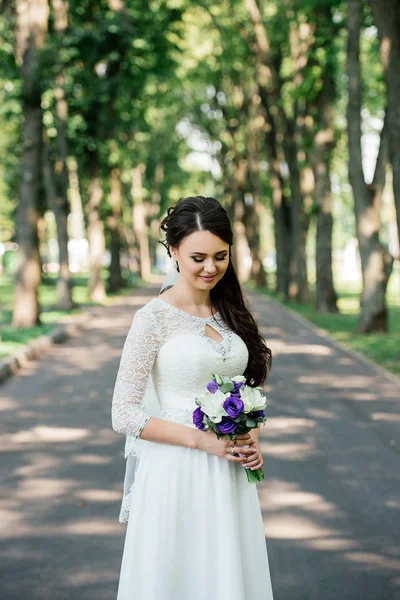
x=232 y=451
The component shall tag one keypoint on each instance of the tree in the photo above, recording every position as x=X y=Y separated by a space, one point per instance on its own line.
x=376 y=262
x=386 y=15
x=60 y=205
x=32 y=20
x=270 y=84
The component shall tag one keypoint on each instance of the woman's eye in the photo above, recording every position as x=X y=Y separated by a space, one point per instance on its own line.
x=198 y=260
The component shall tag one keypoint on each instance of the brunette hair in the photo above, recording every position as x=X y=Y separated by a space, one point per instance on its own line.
x=197 y=213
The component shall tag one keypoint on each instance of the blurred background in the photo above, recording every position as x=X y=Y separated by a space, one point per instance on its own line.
x=286 y=111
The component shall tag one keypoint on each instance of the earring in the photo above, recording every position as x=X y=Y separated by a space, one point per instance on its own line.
x=176 y=265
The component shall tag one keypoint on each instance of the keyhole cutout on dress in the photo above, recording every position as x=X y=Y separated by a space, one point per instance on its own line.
x=213 y=334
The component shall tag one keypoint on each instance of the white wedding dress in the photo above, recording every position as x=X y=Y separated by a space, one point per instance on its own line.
x=195 y=529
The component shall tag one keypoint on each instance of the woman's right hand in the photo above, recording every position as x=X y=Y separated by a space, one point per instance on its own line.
x=209 y=442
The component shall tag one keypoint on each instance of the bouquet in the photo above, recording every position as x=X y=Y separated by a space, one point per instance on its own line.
x=230 y=407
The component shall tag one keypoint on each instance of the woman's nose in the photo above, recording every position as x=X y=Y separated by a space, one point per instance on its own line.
x=210 y=267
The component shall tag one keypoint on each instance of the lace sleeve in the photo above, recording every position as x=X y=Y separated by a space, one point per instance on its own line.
x=138 y=355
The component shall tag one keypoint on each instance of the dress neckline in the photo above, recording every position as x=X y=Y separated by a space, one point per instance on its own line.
x=179 y=310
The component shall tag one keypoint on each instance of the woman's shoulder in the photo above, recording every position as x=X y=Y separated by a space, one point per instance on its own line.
x=148 y=310
x=156 y=311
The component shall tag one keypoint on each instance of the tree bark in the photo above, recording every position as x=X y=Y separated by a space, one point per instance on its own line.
x=386 y=15
x=31 y=32
x=95 y=232
x=325 y=295
x=61 y=207
x=77 y=227
x=298 y=288
x=252 y=207
x=64 y=296
x=154 y=217
x=281 y=211
x=269 y=85
x=241 y=247
x=376 y=262
x=139 y=223
x=115 y=280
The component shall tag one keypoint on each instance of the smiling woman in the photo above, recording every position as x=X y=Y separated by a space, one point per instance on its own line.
x=188 y=503
x=199 y=237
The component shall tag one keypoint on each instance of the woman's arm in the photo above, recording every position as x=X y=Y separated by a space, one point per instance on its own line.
x=127 y=414
x=255 y=432
x=166 y=432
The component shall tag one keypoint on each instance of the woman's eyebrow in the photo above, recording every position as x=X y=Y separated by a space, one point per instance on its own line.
x=202 y=253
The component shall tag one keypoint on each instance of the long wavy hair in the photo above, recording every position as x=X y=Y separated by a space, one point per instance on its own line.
x=197 y=213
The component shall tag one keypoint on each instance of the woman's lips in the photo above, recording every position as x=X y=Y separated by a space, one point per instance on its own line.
x=208 y=279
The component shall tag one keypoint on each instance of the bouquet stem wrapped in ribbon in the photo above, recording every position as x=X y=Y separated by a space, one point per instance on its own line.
x=229 y=407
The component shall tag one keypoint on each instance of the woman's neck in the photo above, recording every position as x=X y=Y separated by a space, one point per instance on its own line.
x=189 y=297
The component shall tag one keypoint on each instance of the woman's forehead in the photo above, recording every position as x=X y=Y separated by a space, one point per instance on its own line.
x=204 y=242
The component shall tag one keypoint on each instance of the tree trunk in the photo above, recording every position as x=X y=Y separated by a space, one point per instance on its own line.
x=298 y=289
x=241 y=244
x=30 y=37
x=115 y=281
x=64 y=296
x=28 y=275
x=95 y=232
x=269 y=85
x=77 y=226
x=386 y=15
x=61 y=207
x=139 y=223
x=281 y=211
x=154 y=217
x=376 y=262
x=325 y=295
x=252 y=207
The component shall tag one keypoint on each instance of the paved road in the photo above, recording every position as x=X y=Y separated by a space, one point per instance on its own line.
x=330 y=500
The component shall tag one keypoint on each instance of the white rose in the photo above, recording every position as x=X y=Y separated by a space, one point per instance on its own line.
x=212 y=406
x=247 y=397
x=252 y=398
x=259 y=401
x=239 y=379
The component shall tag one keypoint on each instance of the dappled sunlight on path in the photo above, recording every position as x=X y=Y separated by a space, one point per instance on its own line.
x=330 y=499
x=331 y=494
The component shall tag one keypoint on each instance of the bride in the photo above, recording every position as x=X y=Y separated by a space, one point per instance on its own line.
x=195 y=529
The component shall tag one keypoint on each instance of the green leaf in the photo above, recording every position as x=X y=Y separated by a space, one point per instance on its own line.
x=226 y=387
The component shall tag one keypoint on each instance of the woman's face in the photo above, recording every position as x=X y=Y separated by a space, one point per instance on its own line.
x=202 y=258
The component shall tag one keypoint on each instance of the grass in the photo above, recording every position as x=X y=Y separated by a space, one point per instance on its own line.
x=13 y=339
x=383 y=349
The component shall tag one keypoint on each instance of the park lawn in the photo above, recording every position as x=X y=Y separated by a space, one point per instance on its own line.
x=383 y=349
x=13 y=339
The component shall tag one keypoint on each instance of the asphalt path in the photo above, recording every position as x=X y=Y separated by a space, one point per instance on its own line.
x=330 y=499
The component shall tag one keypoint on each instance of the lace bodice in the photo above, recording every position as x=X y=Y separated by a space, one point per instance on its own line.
x=173 y=347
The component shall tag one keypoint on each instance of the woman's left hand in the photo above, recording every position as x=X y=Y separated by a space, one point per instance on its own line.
x=255 y=459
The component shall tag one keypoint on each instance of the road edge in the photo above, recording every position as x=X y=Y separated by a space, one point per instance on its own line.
x=324 y=334
x=39 y=346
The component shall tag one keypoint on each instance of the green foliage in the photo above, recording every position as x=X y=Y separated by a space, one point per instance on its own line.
x=10 y=127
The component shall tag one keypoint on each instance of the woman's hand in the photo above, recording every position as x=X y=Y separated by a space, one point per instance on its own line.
x=209 y=442
x=255 y=459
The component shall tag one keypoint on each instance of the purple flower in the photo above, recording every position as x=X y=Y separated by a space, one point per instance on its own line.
x=257 y=413
x=198 y=418
x=212 y=386
x=233 y=406
x=236 y=386
x=226 y=425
